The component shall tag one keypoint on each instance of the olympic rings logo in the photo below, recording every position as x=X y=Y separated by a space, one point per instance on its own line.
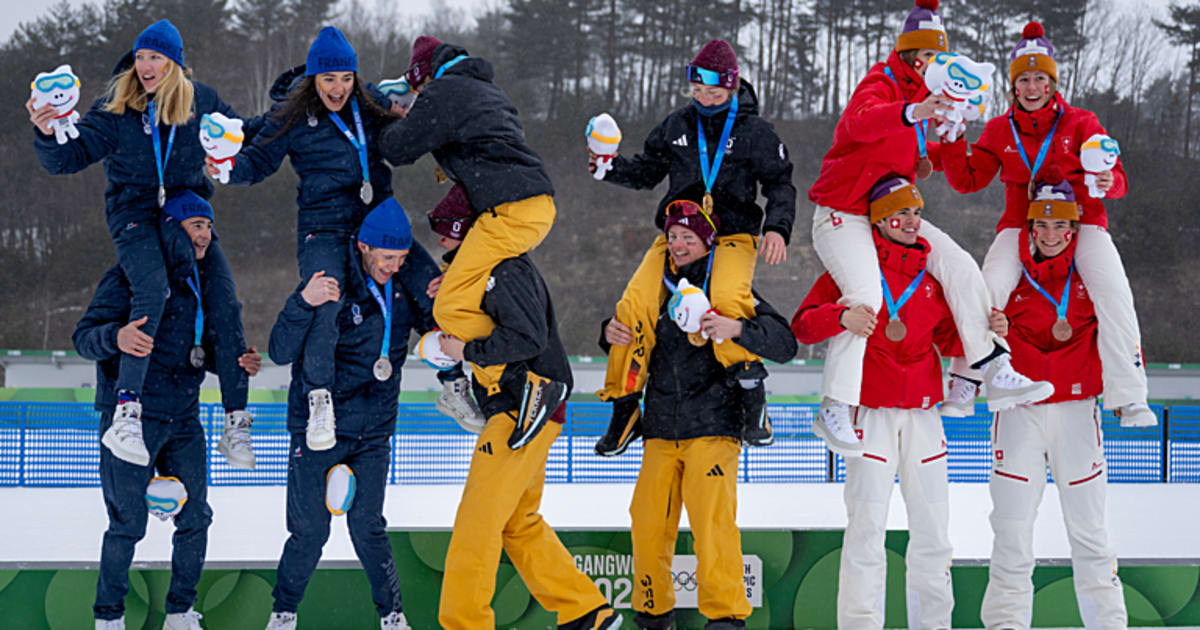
x=684 y=581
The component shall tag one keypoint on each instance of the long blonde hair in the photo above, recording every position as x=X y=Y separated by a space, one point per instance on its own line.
x=175 y=94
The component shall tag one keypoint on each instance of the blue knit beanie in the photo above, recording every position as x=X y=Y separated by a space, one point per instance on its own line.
x=330 y=52
x=386 y=227
x=187 y=204
x=163 y=37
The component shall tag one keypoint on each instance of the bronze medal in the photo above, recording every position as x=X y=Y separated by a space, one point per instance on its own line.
x=196 y=357
x=924 y=168
x=382 y=369
x=1061 y=330
x=439 y=175
x=708 y=204
x=896 y=330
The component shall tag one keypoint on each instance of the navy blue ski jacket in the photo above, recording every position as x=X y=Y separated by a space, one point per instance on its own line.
x=124 y=144
x=172 y=386
x=326 y=163
x=364 y=407
x=473 y=131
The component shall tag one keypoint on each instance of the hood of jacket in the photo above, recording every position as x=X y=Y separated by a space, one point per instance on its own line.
x=473 y=67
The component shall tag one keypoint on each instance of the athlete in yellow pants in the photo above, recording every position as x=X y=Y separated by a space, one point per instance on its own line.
x=693 y=430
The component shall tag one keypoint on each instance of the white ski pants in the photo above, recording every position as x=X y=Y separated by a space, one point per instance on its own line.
x=909 y=443
x=1069 y=437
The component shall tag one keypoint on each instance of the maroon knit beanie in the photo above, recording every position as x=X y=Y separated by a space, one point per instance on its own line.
x=452 y=216
x=421 y=62
x=718 y=56
x=690 y=215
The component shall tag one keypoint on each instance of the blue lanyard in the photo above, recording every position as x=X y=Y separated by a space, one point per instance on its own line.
x=194 y=283
x=1037 y=163
x=159 y=159
x=361 y=143
x=386 y=307
x=710 y=174
x=921 y=127
x=707 y=272
x=446 y=66
x=894 y=305
x=1060 y=307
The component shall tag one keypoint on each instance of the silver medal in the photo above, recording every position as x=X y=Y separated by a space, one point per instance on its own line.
x=366 y=193
x=312 y=120
x=382 y=369
x=196 y=357
x=162 y=196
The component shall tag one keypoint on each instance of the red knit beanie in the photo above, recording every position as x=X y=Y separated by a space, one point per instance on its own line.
x=421 y=62
x=718 y=56
x=690 y=215
x=452 y=216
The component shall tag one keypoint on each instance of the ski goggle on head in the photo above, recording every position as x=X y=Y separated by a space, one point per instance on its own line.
x=54 y=82
x=958 y=73
x=215 y=130
x=696 y=74
x=685 y=207
x=399 y=86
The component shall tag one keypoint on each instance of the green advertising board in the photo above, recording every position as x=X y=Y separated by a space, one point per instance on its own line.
x=797 y=570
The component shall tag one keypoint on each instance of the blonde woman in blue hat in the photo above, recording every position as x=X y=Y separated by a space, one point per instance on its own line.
x=146 y=131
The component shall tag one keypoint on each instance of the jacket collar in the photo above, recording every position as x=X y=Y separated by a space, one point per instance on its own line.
x=693 y=271
x=1049 y=269
x=1039 y=122
x=907 y=260
x=912 y=84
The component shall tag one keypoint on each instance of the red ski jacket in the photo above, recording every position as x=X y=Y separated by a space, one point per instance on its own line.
x=1073 y=366
x=906 y=374
x=997 y=151
x=872 y=140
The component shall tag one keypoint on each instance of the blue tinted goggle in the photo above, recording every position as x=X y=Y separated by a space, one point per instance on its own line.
x=53 y=82
x=696 y=74
x=211 y=127
x=1110 y=145
x=958 y=74
x=399 y=86
x=164 y=505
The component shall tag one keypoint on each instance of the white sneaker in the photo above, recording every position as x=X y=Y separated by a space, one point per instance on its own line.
x=960 y=400
x=124 y=437
x=1137 y=415
x=1007 y=388
x=189 y=620
x=235 y=442
x=457 y=402
x=282 y=621
x=110 y=624
x=320 y=434
x=833 y=425
x=394 y=621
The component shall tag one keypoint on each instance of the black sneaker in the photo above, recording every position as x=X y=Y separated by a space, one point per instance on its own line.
x=665 y=621
x=756 y=427
x=542 y=396
x=729 y=623
x=603 y=618
x=624 y=428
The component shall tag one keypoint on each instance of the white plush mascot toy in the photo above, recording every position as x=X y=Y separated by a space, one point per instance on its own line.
x=165 y=497
x=59 y=88
x=430 y=351
x=1098 y=154
x=221 y=138
x=687 y=306
x=603 y=138
x=963 y=81
x=398 y=91
x=340 y=486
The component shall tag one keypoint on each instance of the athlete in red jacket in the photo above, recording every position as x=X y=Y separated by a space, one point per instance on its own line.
x=1041 y=128
x=1053 y=334
x=882 y=132
x=897 y=421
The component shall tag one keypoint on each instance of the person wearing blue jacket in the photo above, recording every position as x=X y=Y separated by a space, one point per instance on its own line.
x=382 y=300
x=146 y=131
x=170 y=402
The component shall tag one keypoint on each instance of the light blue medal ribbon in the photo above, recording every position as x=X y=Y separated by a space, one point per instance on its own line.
x=383 y=366
x=360 y=144
x=446 y=66
x=710 y=173
x=1041 y=156
x=921 y=127
x=1061 y=329
x=196 y=356
x=160 y=160
x=896 y=330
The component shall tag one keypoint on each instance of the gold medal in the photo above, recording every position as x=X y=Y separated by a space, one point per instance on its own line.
x=896 y=330
x=1061 y=330
x=440 y=175
x=924 y=168
x=708 y=205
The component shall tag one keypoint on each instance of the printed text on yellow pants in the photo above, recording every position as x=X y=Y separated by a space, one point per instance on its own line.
x=729 y=290
x=700 y=473
x=506 y=231
x=499 y=509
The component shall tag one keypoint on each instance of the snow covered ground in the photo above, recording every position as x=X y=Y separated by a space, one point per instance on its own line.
x=61 y=527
